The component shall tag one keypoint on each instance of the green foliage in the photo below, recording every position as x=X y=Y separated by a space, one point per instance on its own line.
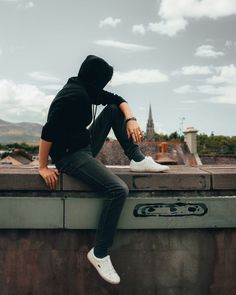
x=161 y=137
x=216 y=144
x=31 y=149
x=207 y=144
x=171 y=137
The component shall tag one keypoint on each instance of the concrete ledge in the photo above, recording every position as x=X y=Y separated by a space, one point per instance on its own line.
x=26 y=212
x=222 y=177
x=178 y=178
x=184 y=197
x=52 y=261
x=24 y=178
x=167 y=212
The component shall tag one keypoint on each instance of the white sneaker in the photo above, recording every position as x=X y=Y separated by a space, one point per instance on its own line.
x=104 y=267
x=147 y=165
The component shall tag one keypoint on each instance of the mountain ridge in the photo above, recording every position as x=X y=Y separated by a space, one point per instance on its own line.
x=11 y=132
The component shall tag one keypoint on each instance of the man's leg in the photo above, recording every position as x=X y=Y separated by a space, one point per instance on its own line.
x=112 y=117
x=82 y=165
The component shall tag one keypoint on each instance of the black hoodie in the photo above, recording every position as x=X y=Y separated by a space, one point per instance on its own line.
x=71 y=110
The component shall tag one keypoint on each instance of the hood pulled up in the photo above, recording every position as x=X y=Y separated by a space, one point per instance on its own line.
x=95 y=73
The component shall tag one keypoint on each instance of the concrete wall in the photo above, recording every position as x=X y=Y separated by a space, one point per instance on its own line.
x=219 y=160
x=162 y=262
x=44 y=236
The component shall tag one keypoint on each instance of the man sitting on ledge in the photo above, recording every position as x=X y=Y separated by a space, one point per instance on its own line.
x=73 y=148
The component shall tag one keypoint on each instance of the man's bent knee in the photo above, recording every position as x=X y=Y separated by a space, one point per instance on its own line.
x=119 y=190
x=124 y=190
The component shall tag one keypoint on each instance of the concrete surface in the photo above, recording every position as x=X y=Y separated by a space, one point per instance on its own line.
x=43 y=246
x=178 y=178
x=150 y=262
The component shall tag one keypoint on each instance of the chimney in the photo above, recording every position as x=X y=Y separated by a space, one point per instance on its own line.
x=190 y=137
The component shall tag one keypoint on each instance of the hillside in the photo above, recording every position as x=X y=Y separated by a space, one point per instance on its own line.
x=19 y=132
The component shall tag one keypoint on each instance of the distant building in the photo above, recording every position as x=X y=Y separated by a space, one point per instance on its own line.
x=150 y=132
x=16 y=157
x=10 y=161
x=3 y=153
x=112 y=153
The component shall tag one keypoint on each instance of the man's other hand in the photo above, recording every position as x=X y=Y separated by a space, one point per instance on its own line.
x=50 y=176
x=134 y=131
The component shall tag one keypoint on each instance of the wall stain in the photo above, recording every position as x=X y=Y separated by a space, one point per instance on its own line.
x=177 y=209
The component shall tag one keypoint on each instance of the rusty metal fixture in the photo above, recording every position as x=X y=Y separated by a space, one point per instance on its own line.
x=163 y=157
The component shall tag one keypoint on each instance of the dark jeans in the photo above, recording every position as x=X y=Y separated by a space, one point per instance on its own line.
x=82 y=165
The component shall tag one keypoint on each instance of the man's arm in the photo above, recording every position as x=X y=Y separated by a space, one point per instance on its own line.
x=50 y=176
x=132 y=126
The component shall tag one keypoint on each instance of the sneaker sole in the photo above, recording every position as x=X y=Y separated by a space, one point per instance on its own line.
x=149 y=170
x=97 y=269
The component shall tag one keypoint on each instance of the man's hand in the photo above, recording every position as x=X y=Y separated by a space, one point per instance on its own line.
x=134 y=130
x=50 y=176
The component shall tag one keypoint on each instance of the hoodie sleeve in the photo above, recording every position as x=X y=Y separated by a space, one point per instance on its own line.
x=111 y=98
x=53 y=127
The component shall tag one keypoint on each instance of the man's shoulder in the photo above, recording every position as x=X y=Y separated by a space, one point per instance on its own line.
x=72 y=92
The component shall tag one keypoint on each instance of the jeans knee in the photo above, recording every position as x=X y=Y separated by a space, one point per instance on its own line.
x=124 y=190
x=120 y=190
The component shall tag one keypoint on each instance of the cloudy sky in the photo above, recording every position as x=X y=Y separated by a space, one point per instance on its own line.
x=178 y=56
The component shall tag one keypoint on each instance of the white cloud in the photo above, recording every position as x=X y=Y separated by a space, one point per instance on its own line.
x=226 y=74
x=1 y=52
x=184 y=89
x=227 y=97
x=139 y=29
x=23 y=102
x=208 y=51
x=43 y=77
x=209 y=89
x=170 y=9
x=28 y=5
x=223 y=85
x=175 y=14
x=170 y=27
x=139 y=76
x=223 y=94
x=194 y=70
x=121 y=45
x=220 y=88
x=110 y=21
x=21 y=3
x=52 y=87
x=229 y=44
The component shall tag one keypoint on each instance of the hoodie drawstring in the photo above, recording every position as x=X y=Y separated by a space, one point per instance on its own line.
x=94 y=111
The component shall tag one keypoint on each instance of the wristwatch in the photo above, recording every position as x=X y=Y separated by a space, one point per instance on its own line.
x=132 y=118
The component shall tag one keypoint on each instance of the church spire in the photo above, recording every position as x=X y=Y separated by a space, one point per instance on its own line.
x=150 y=114
x=150 y=132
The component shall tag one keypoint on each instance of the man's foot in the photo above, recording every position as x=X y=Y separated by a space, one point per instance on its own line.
x=104 y=267
x=147 y=165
